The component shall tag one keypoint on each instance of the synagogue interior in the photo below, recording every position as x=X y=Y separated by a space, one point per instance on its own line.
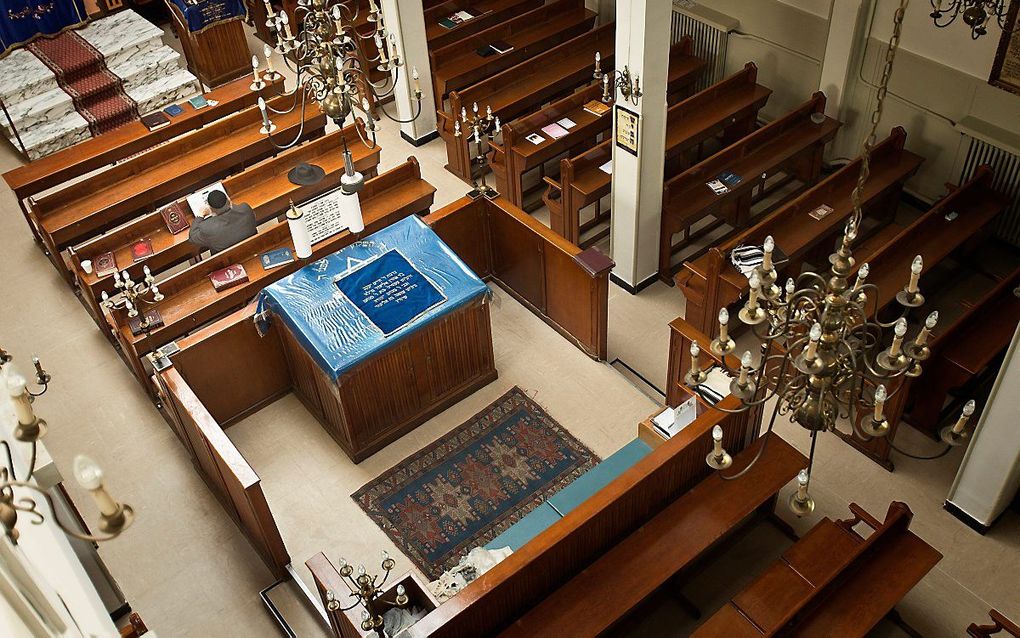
x=500 y=318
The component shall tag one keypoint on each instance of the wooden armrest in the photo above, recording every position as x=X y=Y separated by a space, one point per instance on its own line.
x=551 y=182
x=860 y=514
x=999 y=623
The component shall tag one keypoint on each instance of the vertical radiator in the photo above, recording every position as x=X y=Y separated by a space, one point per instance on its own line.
x=1006 y=167
x=709 y=29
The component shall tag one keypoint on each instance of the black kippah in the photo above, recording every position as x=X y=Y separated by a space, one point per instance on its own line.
x=217 y=200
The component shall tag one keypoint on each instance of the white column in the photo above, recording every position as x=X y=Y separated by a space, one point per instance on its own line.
x=406 y=20
x=642 y=45
x=989 y=476
x=843 y=51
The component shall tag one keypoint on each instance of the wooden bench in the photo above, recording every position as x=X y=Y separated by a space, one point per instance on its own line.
x=190 y=300
x=963 y=346
x=999 y=624
x=524 y=88
x=832 y=581
x=94 y=153
x=490 y=13
x=935 y=236
x=791 y=145
x=727 y=109
x=458 y=65
x=516 y=155
x=137 y=185
x=711 y=281
x=264 y=186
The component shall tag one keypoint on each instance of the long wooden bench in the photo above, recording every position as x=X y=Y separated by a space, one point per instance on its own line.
x=791 y=145
x=524 y=88
x=936 y=235
x=264 y=186
x=190 y=300
x=489 y=13
x=94 y=153
x=825 y=583
x=80 y=211
x=727 y=109
x=711 y=281
x=459 y=65
x=516 y=155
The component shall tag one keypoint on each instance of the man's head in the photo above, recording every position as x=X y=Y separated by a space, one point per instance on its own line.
x=218 y=202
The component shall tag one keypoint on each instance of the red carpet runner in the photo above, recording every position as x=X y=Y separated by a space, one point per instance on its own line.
x=98 y=94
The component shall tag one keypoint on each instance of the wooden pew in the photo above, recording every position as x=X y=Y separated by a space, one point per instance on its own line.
x=491 y=13
x=827 y=583
x=935 y=238
x=525 y=87
x=727 y=109
x=458 y=65
x=264 y=187
x=791 y=145
x=999 y=624
x=190 y=300
x=515 y=156
x=94 y=153
x=711 y=281
x=963 y=350
x=75 y=213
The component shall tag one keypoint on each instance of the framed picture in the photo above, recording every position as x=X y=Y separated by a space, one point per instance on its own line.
x=1006 y=68
x=627 y=130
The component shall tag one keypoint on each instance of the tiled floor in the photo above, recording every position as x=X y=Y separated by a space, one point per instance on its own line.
x=185 y=567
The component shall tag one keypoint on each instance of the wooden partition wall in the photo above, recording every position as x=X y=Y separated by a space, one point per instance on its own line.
x=567 y=287
x=219 y=462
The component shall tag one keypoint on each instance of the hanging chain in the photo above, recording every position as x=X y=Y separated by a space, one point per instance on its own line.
x=853 y=226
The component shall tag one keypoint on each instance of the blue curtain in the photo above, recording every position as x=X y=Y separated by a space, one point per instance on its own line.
x=21 y=20
x=201 y=13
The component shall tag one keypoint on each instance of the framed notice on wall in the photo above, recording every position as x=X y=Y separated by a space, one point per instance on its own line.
x=627 y=130
x=1006 y=68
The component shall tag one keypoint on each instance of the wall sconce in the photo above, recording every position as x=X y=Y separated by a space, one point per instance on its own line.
x=629 y=84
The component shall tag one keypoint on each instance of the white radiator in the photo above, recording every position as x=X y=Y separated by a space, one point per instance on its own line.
x=1006 y=166
x=709 y=29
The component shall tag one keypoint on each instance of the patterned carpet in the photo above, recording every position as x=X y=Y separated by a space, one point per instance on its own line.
x=471 y=485
x=98 y=94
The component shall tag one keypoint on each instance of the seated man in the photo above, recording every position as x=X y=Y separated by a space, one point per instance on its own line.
x=224 y=226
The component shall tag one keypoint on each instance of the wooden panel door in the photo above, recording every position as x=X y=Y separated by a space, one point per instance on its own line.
x=517 y=258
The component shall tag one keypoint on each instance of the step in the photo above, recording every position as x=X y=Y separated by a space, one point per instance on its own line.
x=166 y=90
x=25 y=77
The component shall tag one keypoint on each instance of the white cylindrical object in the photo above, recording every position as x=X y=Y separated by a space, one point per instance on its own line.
x=299 y=233
x=350 y=209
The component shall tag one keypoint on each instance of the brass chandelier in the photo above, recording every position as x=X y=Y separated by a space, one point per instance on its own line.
x=976 y=14
x=331 y=68
x=824 y=354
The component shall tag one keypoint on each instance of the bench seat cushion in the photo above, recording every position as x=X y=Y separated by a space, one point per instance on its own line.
x=526 y=529
x=598 y=477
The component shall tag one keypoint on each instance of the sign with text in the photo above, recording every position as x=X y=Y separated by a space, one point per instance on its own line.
x=627 y=130
x=389 y=291
x=324 y=215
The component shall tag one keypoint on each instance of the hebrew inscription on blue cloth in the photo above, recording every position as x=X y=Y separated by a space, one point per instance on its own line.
x=389 y=291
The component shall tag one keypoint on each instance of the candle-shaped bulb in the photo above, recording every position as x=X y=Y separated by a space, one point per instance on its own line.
x=932 y=319
x=915 y=274
x=745 y=368
x=105 y=296
x=968 y=408
x=365 y=617
x=813 y=336
x=816 y=332
x=746 y=360
x=255 y=64
x=695 y=350
x=791 y=286
x=414 y=73
x=752 y=298
x=262 y=105
x=598 y=60
x=401 y=590
x=343 y=562
x=87 y=472
x=864 y=270
x=385 y=556
x=463 y=114
x=717 y=434
x=803 y=478
x=488 y=112
x=474 y=108
x=900 y=328
x=768 y=247
x=499 y=125
x=880 y=396
x=361 y=570
x=724 y=316
x=755 y=281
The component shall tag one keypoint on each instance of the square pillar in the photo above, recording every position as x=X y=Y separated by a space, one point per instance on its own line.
x=406 y=20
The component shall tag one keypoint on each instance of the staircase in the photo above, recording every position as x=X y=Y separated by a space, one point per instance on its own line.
x=137 y=65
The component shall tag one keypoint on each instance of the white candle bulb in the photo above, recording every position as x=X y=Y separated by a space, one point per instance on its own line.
x=90 y=476
x=401 y=590
x=695 y=353
x=752 y=299
x=965 y=414
x=267 y=51
x=745 y=368
x=768 y=247
x=717 y=440
x=17 y=388
x=929 y=325
x=899 y=330
x=364 y=615
x=255 y=66
x=803 y=479
x=915 y=274
x=414 y=76
x=499 y=126
x=361 y=570
x=862 y=274
x=724 y=318
x=265 y=114
x=746 y=360
x=385 y=555
x=474 y=107
x=488 y=111
x=791 y=287
x=463 y=114
x=880 y=397
x=813 y=336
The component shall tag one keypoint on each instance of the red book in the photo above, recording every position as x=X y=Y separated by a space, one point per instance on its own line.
x=141 y=249
x=174 y=217
x=153 y=320
x=228 y=277
x=105 y=264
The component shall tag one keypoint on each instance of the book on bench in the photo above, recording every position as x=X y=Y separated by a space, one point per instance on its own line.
x=155 y=120
x=554 y=130
x=596 y=108
x=500 y=46
x=155 y=320
x=228 y=277
x=105 y=264
x=174 y=217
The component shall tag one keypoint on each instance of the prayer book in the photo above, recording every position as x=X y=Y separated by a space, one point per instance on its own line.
x=277 y=257
x=141 y=249
x=554 y=130
x=596 y=108
x=105 y=264
x=228 y=277
x=155 y=120
x=155 y=321
x=174 y=217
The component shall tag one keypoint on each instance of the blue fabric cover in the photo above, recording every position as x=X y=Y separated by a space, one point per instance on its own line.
x=202 y=13
x=334 y=331
x=598 y=477
x=533 y=524
x=21 y=20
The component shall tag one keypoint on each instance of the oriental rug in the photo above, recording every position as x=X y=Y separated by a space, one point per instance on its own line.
x=97 y=94
x=474 y=483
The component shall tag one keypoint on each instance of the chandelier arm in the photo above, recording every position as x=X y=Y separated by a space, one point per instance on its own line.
x=399 y=121
x=761 y=450
x=364 y=141
x=33 y=510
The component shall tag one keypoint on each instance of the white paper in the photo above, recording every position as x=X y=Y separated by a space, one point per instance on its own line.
x=567 y=123
x=198 y=200
x=607 y=168
x=535 y=138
